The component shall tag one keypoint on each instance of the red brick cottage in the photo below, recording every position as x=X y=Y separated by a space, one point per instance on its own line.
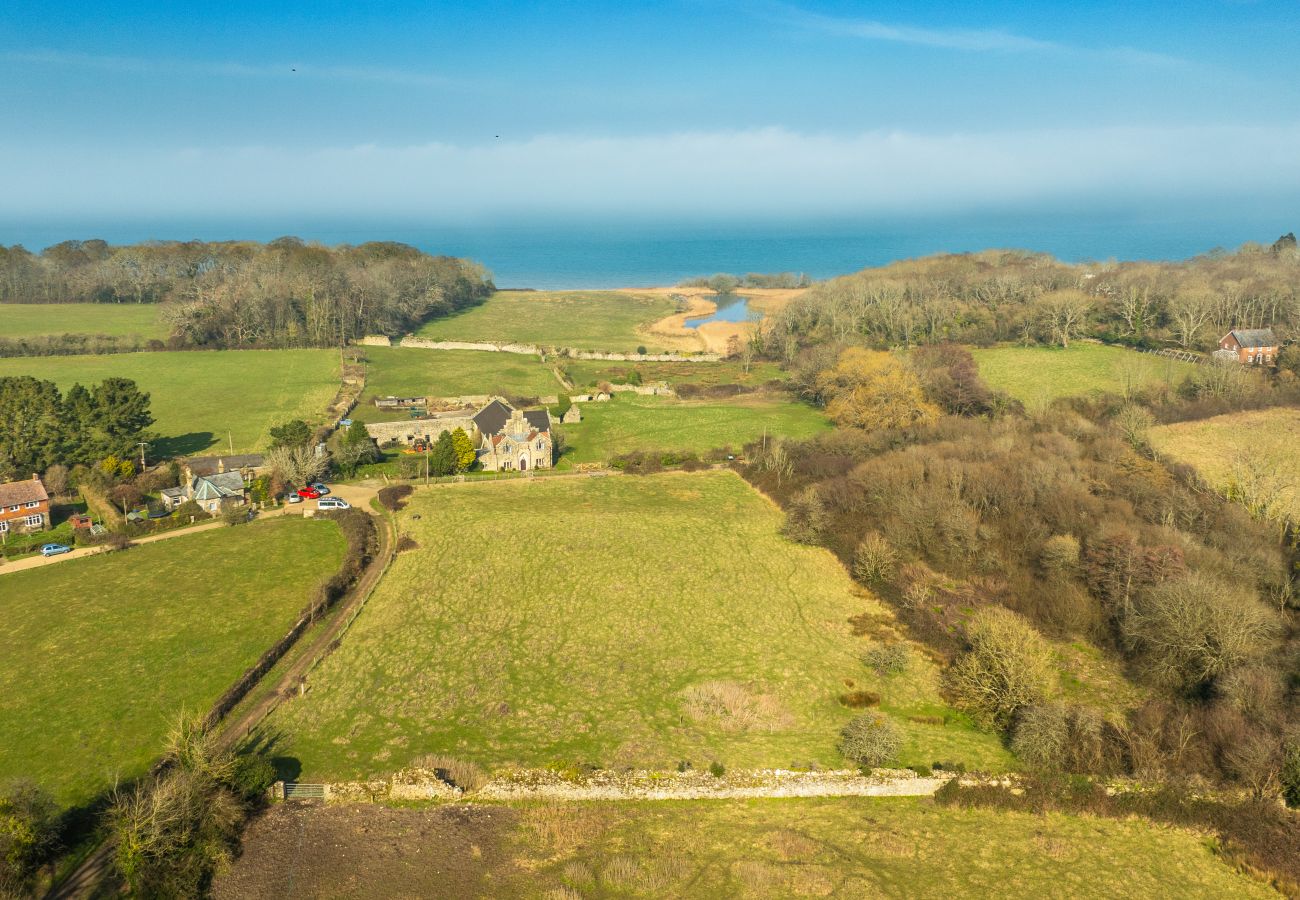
x=24 y=506
x=1253 y=346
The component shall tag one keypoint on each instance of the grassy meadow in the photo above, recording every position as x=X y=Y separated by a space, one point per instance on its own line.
x=587 y=373
x=1259 y=450
x=207 y=399
x=847 y=847
x=1039 y=375
x=24 y=320
x=588 y=320
x=592 y=624
x=101 y=653
x=412 y=372
x=634 y=422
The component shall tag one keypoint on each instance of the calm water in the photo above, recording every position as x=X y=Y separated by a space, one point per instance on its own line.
x=731 y=308
x=557 y=255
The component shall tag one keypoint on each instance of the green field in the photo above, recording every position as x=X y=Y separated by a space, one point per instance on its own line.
x=412 y=372
x=1039 y=375
x=1252 y=454
x=20 y=320
x=209 y=398
x=588 y=320
x=587 y=373
x=101 y=653
x=634 y=422
x=569 y=620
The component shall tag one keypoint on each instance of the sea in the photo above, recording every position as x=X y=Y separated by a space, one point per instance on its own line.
x=549 y=255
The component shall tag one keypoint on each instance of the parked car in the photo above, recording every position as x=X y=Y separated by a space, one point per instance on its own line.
x=309 y=493
x=292 y=498
x=55 y=549
x=333 y=503
x=321 y=489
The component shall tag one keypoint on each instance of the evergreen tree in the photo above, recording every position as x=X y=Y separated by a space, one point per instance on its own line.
x=121 y=415
x=442 y=458
x=33 y=432
x=290 y=434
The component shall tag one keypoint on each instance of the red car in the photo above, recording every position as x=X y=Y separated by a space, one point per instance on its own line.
x=309 y=493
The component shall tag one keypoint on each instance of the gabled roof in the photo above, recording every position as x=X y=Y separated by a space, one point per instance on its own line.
x=13 y=493
x=493 y=417
x=1254 y=337
x=211 y=465
x=539 y=419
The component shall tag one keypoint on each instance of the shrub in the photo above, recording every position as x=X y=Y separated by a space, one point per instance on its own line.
x=717 y=769
x=872 y=739
x=641 y=350
x=875 y=559
x=1060 y=554
x=1290 y=775
x=1008 y=666
x=28 y=827
x=888 y=659
x=234 y=515
x=251 y=776
x=805 y=519
x=394 y=496
x=859 y=699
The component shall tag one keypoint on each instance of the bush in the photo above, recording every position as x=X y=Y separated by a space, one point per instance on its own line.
x=875 y=560
x=251 y=776
x=805 y=518
x=859 y=699
x=717 y=769
x=1060 y=554
x=1008 y=666
x=394 y=496
x=234 y=514
x=28 y=827
x=871 y=740
x=888 y=659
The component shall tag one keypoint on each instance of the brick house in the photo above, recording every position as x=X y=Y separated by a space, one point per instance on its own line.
x=24 y=506
x=1253 y=346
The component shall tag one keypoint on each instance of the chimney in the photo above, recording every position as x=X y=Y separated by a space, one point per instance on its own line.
x=221 y=464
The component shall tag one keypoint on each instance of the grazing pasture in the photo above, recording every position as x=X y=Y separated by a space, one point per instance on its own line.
x=24 y=320
x=616 y=621
x=587 y=320
x=1253 y=456
x=841 y=847
x=207 y=399
x=1039 y=375
x=634 y=422
x=587 y=373
x=101 y=653
x=412 y=372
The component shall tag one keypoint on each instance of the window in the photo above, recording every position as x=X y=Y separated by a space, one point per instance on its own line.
x=14 y=508
x=33 y=504
x=34 y=520
x=4 y=526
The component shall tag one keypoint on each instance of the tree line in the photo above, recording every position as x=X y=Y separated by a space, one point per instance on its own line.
x=997 y=295
x=286 y=293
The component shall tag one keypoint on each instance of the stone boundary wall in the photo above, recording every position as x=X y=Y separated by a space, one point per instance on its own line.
x=420 y=784
x=534 y=350
x=375 y=340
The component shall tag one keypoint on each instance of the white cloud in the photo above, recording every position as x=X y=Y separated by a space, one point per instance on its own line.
x=765 y=172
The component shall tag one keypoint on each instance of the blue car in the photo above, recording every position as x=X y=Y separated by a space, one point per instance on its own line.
x=55 y=549
x=320 y=489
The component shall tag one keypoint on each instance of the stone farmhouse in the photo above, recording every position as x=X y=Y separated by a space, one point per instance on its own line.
x=211 y=492
x=24 y=506
x=1252 y=346
x=505 y=439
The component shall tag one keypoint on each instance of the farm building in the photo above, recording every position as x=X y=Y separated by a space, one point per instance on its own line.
x=1253 y=346
x=505 y=439
x=24 y=506
x=211 y=492
x=401 y=402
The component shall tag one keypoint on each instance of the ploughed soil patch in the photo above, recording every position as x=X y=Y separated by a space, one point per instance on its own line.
x=309 y=850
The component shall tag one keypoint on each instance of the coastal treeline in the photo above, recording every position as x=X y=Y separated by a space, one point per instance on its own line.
x=286 y=293
x=984 y=298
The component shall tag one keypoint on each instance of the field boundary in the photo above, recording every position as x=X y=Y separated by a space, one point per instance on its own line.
x=419 y=343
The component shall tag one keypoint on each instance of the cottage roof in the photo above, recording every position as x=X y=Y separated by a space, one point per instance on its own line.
x=214 y=487
x=493 y=417
x=211 y=465
x=539 y=419
x=12 y=493
x=1254 y=337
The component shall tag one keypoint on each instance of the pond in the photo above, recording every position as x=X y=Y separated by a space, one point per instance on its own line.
x=731 y=308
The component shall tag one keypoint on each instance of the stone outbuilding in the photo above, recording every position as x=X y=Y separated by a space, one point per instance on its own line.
x=572 y=415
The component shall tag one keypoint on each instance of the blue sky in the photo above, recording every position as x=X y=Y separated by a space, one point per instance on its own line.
x=493 y=111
